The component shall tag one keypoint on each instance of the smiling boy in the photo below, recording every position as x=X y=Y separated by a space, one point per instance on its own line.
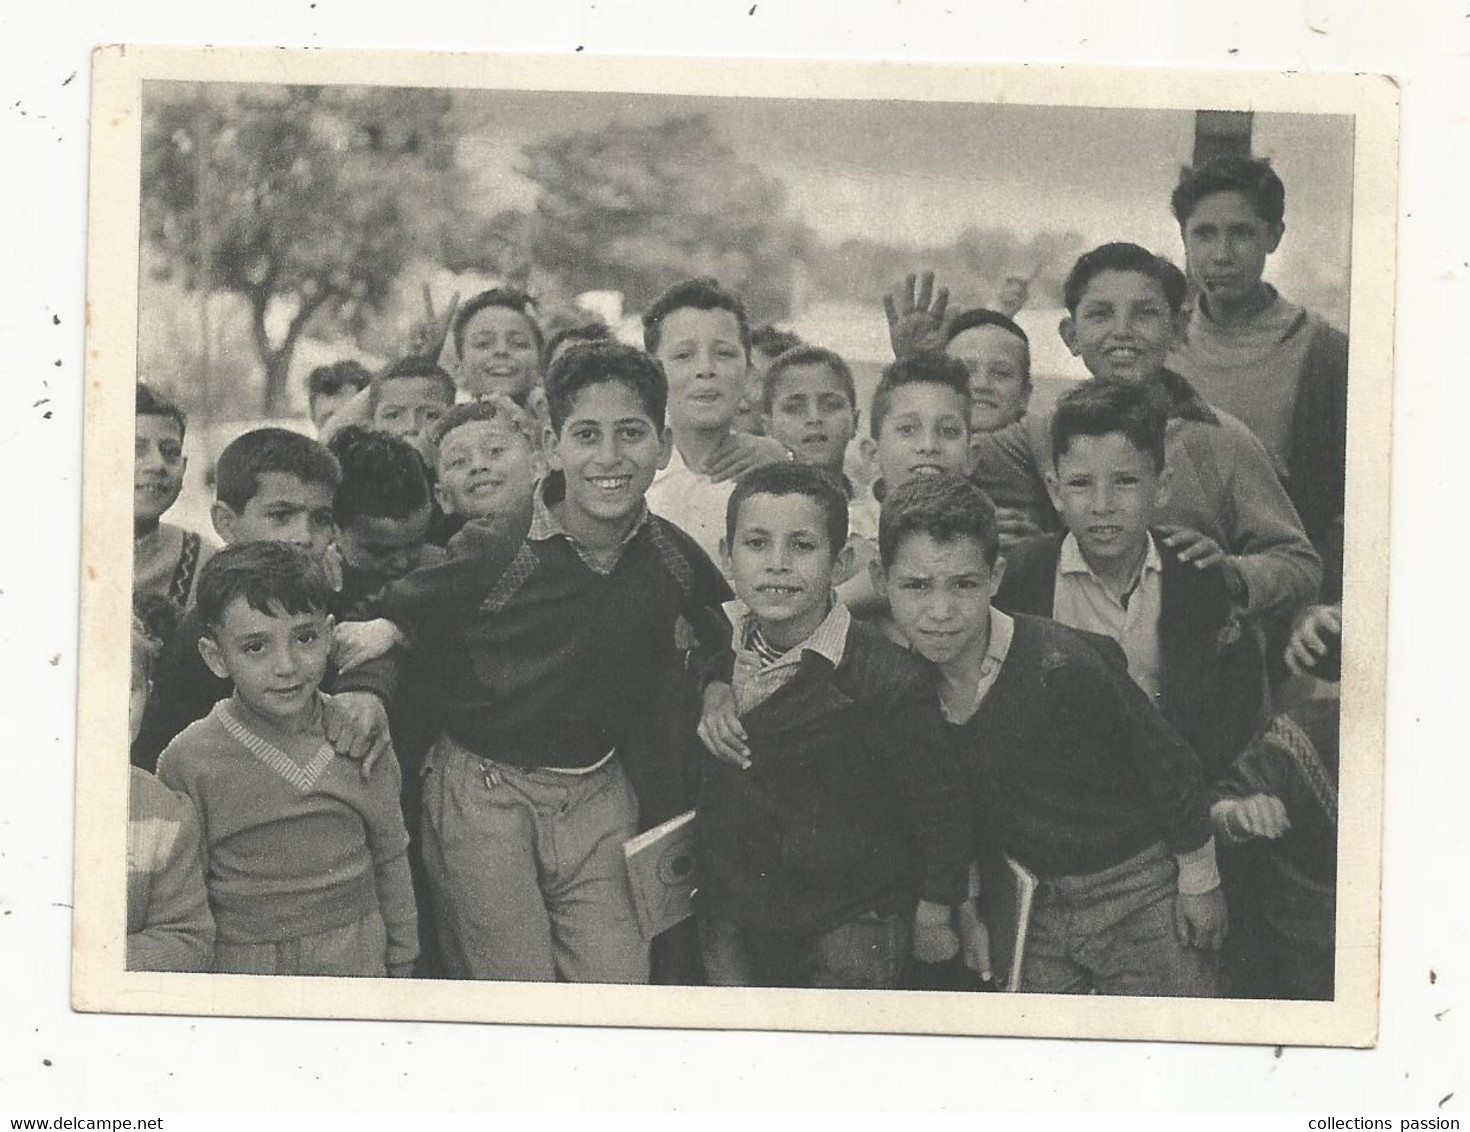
x=166 y=558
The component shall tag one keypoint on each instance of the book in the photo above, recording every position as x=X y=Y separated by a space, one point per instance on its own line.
x=1007 y=890
x=663 y=874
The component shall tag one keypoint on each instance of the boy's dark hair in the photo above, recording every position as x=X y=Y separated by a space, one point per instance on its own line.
x=1128 y=258
x=272 y=577
x=330 y=379
x=381 y=476
x=923 y=367
x=945 y=507
x=498 y=408
x=263 y=450
x=151 y=403
x=817 y=484
x=982 y=316
x=807 y=356
x=585 y=332
x=507 y=297
x=1251 y=177
x=415 y=365
x=702 y=294
x=598 y=363
x=155 y=620
x=772 y=341
x=1100 y=407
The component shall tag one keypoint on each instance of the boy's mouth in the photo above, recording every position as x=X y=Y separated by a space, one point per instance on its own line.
x=609 y=484
x=927 y=470
x=288 y=692
x=776 y=589
x=1104 y=532
x=477 y=485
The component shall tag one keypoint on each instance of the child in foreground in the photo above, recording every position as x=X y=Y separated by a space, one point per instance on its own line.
x=305 y=858
x=845 y=811
x=166 y=558
x=1068 y=767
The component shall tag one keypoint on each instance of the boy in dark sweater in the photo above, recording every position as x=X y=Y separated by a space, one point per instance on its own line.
x=543 y=653
x=1071 y=770
x=843 y=808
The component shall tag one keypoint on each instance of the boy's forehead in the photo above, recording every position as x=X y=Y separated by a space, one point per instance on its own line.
x=154 y=425
x=413 y=388
x=926 y=398
x=497 y=318
x=788 y=511
x=471 y=433
x=1109 y=450
x=692 y=322
x=239 y=616
x=988 y=342
x=606 y=401
x=808 y=377
x=921 y=553
x=288 y=487
x=1114 y=286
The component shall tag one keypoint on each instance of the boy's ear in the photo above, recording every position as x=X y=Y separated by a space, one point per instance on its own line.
x=548 y=446
x=1166 y=477
x=213 y=656
x=1277 y=231
x=223 y=516
x=725 y=564
x=879 y=577
x=1054 y=490
x=842 y=564
x=666 y=448
x=441 y=496
x=1068 y=330
x=997 y=575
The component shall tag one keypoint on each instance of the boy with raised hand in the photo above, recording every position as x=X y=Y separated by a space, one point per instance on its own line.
x=1279 y=368
x=1068 y=767
x=843 y=812
x=166 y=558
x=1107 y=574
x=544 y=654
x=331 y=387
x=305 y=857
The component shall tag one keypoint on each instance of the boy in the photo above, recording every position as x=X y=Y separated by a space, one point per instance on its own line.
x=169 y=924
x=997 y=354
x=767 y=343
x=499 y=346
x=845 y=811
x=305 y=858
x=487 y=459
x=166 y=558
x=1070 y=769
x=1278 y=367
x=331 y=387
x=1106 y=574
x=409 y=397
x=544 y=654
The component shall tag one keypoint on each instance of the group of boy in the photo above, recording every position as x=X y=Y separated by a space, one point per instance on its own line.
x=881 y=699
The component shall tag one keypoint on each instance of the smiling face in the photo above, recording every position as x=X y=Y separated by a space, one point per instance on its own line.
x=1226 y=243
x=781 y=565
x=1000 y=375
x=923 y=433
x=939 y=594
x=499 y=355
x=1123 y=327
x=1107 y=492
x=705 y=365
x=158 y=466
x=609 y=450
x=485 y=469
x=276 y=660
x=811 y=415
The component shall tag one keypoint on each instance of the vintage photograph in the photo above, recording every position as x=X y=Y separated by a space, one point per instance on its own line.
x=868 y=551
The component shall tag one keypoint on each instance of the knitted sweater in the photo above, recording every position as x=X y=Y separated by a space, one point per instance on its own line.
x=169 y=924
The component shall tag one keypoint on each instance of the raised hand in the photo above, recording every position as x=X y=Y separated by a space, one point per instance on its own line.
x=918 y=317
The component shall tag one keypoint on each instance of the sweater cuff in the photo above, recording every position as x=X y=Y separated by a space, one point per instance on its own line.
x=1198 y=872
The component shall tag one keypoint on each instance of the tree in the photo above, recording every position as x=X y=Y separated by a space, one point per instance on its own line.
x=306 y=201
x=636 y=208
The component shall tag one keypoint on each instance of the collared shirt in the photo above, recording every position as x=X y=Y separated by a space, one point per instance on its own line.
x=1002 y=630
x=545 y=525
x=756 y=679
x=693 y=502
x=1084 y=602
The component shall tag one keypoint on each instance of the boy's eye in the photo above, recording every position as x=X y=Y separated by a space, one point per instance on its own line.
x=756 y=542
x=584 y=435
x=906 y=429
x=253 y=648
x=952 y=431
x=913 y=584
x=308 y=636
x=804 y=546
x=727 y=352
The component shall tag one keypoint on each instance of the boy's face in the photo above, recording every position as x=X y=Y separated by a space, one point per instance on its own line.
x=158 y=466
x=485 y=469
x=609 y=450
x=811 y=415
x=1123 y=327
x=499 y=355
x=1000 y=375
x=1107 y=493
x=385 y=547
x=276 y=661
x=705 y=364
x=939 y=595
x=325 y=403
x=925 y=432
x=1226 y=244
x=284 y=508
x=408 y=407
x=781 y=564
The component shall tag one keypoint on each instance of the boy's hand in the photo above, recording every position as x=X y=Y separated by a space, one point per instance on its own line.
x=934 y=936
x=916 y=316
x=974 y=940
x=1014 y=525
x=357 y=642
x=1260 y=815
x=1200 y=921
x=719 y=726
x=1309 y=642
x=356 y=724
x=741 y=452
x=1192 y=546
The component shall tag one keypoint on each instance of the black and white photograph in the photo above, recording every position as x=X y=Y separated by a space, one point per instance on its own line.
x=745 y=545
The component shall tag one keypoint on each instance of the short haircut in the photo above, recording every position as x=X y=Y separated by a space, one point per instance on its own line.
x=382 y=475
x=585 y=332
x=945 y=507
x=272 y=577
x=497 y=408
x=598 y=363
x=1126 y=258
x=264 y=450
x=977 y=317
x=772 y=340
x=1251 y=177
x=703 y=294
x=926 y=367
x=1101 y=407
x=330 y=379
x=507 y=297
x=151 y=403
x=807 y=356
x=415 y=366
x=817 y=484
